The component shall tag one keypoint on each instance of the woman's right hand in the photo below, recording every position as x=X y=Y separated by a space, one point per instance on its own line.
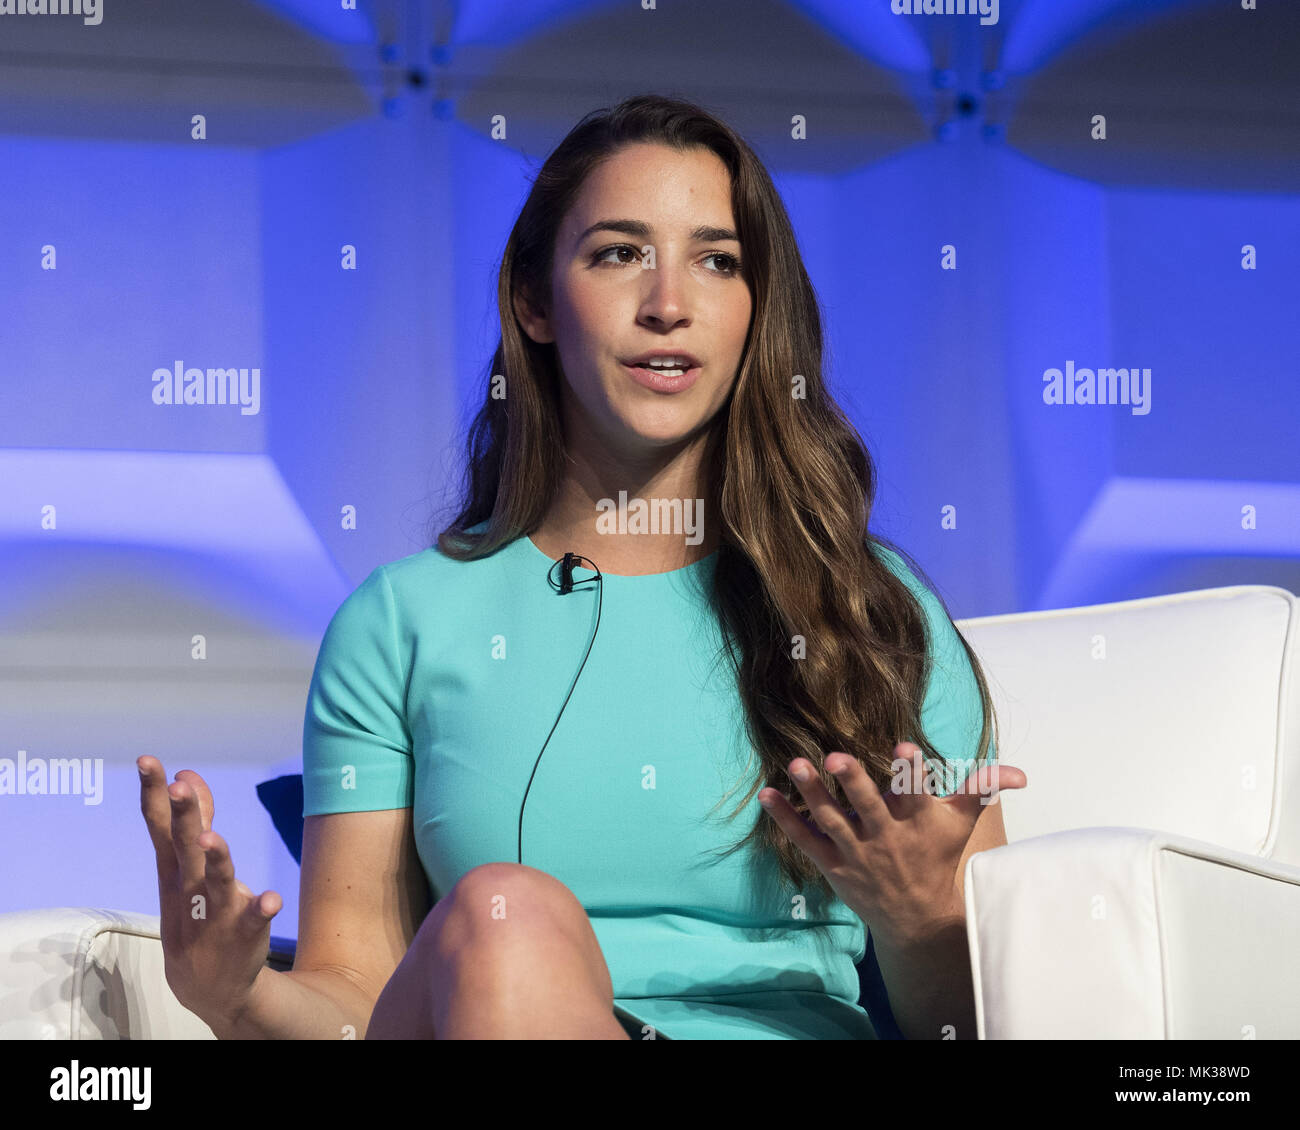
x=215 y=931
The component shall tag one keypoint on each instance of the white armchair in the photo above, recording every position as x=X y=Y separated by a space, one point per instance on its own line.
x=1150 y=888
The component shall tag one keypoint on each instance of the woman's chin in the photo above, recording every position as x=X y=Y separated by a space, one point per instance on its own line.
x=661 y=433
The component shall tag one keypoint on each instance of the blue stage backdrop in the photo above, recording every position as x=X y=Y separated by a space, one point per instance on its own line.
x=316 y=199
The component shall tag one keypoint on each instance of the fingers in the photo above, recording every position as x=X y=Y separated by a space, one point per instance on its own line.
x=829 y=814
x=219 y=874
x=266 y=906
x=862 y=792
x=824 y=810
x=226 y=894
x=989 y=780
x=157 y=810
x=810 y=841
x=206 y=804
x=258 y=911
x=907 y=788
x=193 y=859
x=1007 y=776
x=186 y=828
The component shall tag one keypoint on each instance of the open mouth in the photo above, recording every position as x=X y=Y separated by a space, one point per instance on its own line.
x=676 y=377
x=667 y=370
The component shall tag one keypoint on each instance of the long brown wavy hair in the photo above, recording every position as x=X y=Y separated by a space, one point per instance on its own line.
x=793 y=480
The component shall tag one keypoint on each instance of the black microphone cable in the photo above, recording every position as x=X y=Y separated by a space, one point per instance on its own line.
x=565 y=586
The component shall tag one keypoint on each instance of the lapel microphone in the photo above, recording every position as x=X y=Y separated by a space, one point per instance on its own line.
x=566 y=586
x=566 y=573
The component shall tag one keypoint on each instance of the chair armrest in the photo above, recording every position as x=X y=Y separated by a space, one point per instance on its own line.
x=1128 y=933
x=84 y=973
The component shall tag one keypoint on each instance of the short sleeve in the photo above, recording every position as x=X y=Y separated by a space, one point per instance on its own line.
x=952 y=714
x=356 y=745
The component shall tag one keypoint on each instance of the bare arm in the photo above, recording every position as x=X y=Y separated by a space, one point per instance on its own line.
x=362 y=898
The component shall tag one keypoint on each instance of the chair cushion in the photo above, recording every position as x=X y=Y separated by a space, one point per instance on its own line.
x=282 y=798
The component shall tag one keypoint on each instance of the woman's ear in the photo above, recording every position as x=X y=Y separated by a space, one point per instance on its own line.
x=531 y=316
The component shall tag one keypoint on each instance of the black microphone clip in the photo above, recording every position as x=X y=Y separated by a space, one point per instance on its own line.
x=566 y=573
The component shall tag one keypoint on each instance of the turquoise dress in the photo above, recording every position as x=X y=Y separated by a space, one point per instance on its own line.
x=435 y=686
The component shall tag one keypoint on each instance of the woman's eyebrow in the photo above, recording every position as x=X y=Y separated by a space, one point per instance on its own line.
x=705 y=233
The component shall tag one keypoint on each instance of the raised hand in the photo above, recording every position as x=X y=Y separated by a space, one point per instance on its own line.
x=893 y=859
x=215 y=931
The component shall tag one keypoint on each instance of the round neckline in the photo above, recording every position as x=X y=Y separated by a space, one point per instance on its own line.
x=681 y=570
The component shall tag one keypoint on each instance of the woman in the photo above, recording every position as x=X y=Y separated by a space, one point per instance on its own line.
x=540 y=746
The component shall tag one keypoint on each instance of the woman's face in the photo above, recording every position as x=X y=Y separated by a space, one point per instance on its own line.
x=667 y=281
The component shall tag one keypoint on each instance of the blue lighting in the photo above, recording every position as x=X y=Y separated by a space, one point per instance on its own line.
x=329 y=19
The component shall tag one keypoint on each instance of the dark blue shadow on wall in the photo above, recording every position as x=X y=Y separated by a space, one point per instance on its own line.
x=282 y=798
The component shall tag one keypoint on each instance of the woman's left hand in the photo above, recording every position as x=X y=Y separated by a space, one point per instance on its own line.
x=894 y=859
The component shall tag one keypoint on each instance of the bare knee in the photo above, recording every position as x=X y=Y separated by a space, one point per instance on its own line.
x=512 y=911
x=509 y=892
x=509 y=952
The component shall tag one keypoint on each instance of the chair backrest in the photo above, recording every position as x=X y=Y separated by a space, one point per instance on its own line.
x=1179 y=713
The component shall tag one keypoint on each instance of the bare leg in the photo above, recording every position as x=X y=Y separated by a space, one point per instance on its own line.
x=508 y=953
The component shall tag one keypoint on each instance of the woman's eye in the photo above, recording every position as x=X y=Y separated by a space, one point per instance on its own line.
x=731 y=265
x=600 y=255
